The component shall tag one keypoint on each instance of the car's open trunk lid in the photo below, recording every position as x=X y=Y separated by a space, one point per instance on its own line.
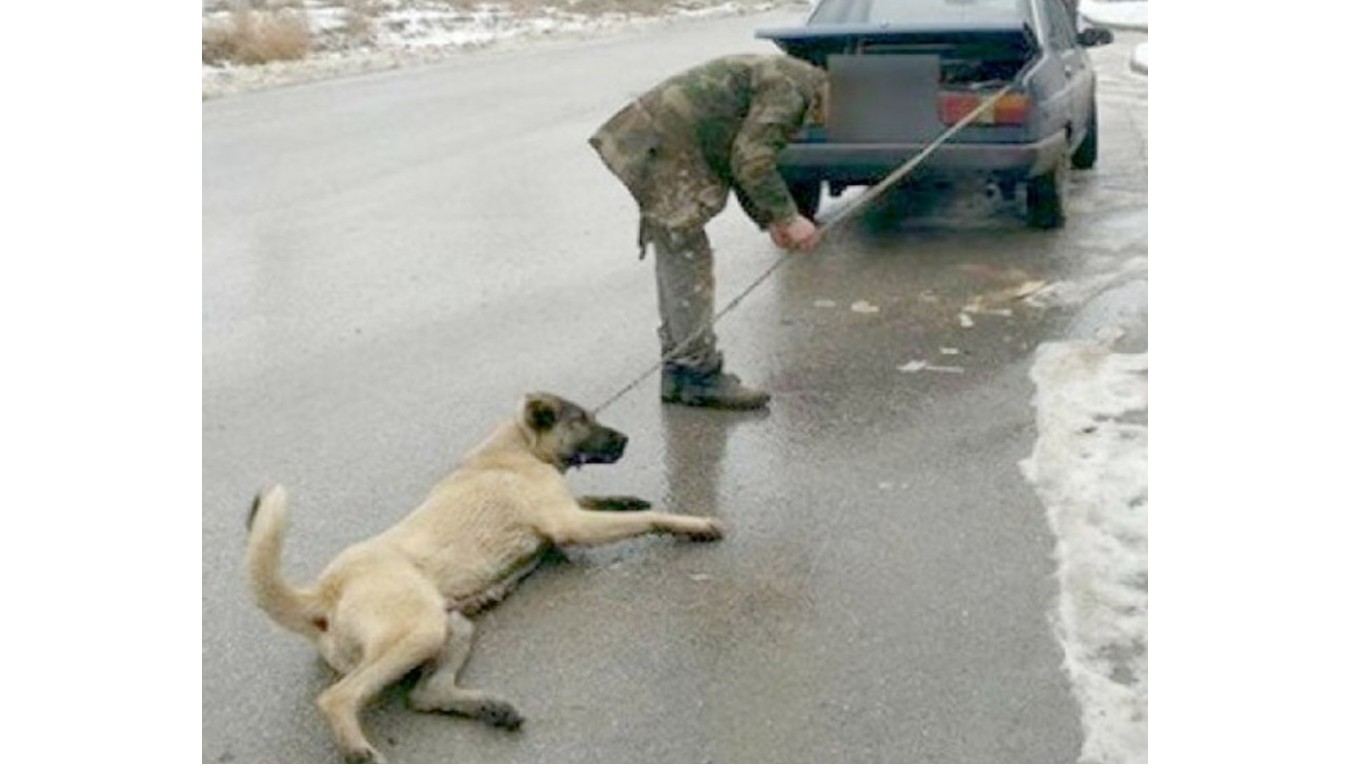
x=815 y=43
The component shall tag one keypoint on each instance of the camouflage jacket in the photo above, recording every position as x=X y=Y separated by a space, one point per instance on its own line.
x=682 y=146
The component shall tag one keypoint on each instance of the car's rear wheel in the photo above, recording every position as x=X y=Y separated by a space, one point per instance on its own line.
x=1085 y=156
x=807 y=196
x=1045 y=198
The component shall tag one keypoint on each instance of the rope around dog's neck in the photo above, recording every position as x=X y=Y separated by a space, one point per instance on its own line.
x=841 y=215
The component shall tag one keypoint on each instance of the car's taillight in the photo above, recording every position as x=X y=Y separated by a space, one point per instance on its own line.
x=1010 y=109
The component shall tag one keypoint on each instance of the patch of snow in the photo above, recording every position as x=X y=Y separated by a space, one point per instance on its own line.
x=1139 y=61
x=916 y=366
x=1074 y=292
x=1116 y=14
x=977 y=309
x=1090 y=469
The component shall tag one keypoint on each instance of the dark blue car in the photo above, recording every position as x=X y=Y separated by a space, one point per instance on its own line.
x=903 y=71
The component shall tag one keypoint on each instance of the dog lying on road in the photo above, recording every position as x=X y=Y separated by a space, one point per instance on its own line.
x=401 y=600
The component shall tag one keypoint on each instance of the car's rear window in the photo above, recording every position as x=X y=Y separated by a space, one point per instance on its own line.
x=916 y=11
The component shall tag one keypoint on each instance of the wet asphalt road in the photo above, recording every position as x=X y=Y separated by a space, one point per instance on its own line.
x=389 y=261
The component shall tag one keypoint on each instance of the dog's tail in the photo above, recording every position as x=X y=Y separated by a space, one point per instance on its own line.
x=297 y=610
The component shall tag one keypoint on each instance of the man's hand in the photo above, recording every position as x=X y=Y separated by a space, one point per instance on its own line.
x=797 y=232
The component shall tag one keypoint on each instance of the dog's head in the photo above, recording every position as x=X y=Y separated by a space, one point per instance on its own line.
x=566 y=435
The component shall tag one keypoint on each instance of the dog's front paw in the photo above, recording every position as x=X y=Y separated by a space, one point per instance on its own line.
x=702 y=529
x=499 y=714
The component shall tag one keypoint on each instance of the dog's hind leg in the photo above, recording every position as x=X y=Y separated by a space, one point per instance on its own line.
x=437 y=691
x=383 y=663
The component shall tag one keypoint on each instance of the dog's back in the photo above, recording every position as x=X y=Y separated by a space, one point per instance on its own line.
x=480 y=530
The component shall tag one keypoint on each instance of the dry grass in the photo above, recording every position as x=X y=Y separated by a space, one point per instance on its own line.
x=256 y=35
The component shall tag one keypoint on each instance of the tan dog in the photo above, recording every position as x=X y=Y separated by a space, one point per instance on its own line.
x=401 y=600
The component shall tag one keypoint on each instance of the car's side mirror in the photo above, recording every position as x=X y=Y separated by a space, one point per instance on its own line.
x=1093 y=36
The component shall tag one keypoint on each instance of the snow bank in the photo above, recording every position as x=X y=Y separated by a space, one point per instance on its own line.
x=1090 y=469
x=1116 y=14
x=1139 y=61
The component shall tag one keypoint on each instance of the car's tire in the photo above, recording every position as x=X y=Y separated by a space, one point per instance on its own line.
x=1045 y=198
x=807 y=196
x=1086 y=154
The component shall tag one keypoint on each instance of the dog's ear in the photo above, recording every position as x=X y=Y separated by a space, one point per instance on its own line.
x=541 y=412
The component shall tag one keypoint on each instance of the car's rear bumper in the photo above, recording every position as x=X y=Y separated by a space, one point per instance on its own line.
x=869 y=163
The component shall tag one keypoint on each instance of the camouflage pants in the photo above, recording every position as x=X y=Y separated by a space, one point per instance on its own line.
x=687 y=295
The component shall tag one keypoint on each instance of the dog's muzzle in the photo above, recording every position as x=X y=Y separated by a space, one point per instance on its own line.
x=606 y=446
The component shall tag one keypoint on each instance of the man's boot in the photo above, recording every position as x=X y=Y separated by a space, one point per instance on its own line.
x=708 y=389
